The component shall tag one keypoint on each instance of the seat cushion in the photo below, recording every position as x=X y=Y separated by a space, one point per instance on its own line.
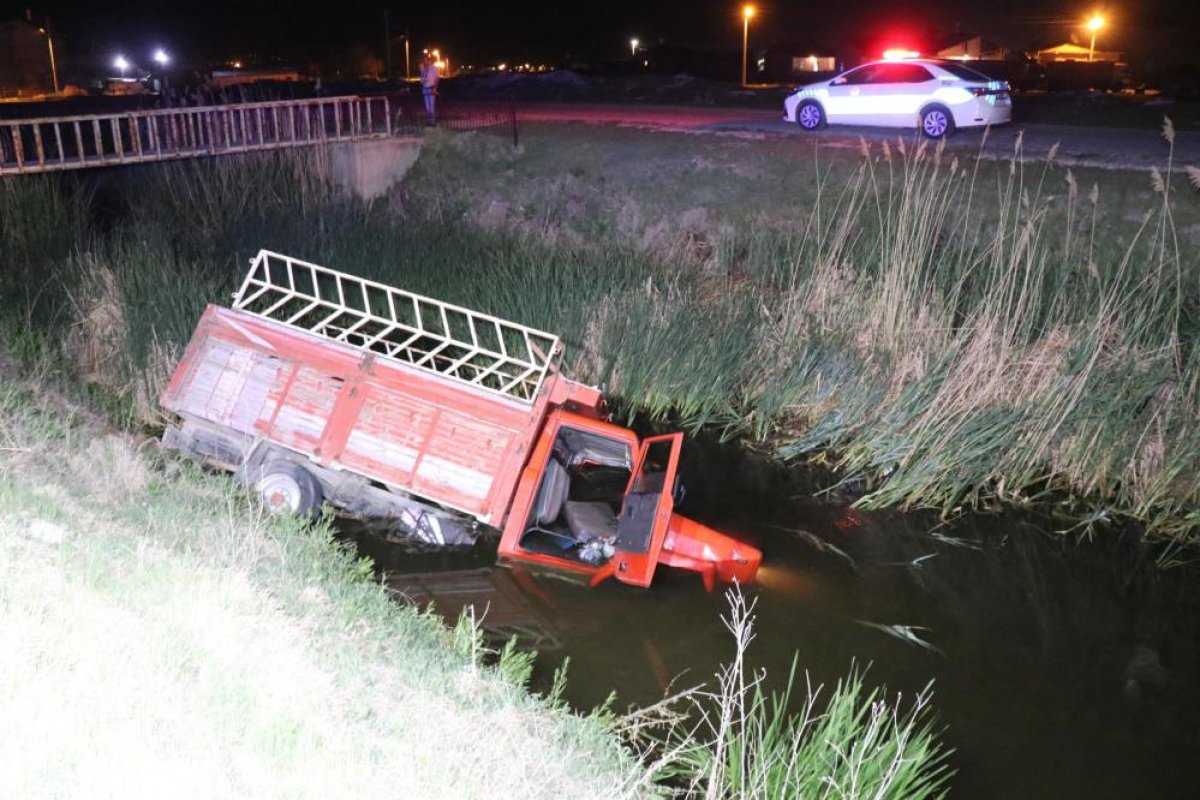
x=589 y=520
x=553 y=491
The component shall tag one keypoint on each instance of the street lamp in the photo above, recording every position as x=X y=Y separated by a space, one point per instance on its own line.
x=633 y=44
x=161 y=57
x=1094 y=24
x=748 y=11
x=407 y=57
x=120 y=63
x=53 y=65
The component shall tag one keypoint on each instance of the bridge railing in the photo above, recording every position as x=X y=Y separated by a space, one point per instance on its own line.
x=60 y=143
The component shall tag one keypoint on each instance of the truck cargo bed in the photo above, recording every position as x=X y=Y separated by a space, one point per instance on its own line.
x=459 y=446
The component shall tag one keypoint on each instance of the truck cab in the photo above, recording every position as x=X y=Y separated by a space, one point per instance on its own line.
x=595 y=501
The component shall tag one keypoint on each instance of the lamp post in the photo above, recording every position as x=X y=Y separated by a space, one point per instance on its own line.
x=120 y=63
x=407 y=58
x=160 y=57
x=748 y=11
x=633 y=44
x=1094 y=24
x=53 y=64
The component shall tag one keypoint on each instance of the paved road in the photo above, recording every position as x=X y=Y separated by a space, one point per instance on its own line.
x=1105 y=148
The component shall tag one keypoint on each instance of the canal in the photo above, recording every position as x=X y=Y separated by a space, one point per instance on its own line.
x=1062 y=665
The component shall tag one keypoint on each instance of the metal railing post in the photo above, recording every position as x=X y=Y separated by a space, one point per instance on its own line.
x=18 y=147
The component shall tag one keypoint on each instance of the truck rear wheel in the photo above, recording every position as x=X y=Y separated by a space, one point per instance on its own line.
x=288 y=488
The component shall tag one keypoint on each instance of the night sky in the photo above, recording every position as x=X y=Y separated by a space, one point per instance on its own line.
x=533 y=30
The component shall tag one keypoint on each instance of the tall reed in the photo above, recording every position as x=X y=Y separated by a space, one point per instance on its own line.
x=949 y=329
x=737 y=741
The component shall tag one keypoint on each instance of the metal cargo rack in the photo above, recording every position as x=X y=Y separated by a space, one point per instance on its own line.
x=465 y=346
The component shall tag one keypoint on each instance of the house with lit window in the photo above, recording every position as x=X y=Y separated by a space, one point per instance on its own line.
x=1069 y=51
x=973 y=48
x=797 y=62
x=1074 y=66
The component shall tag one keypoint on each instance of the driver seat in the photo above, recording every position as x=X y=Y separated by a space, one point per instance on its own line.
x=556 y=483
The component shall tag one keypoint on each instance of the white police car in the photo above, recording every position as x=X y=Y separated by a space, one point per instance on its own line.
x=935 y=95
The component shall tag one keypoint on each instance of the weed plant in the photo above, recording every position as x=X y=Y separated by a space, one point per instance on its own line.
x=948 y=330
x=163 y=635
x=737 y=741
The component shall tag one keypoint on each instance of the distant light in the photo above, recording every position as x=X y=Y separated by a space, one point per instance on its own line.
x=501 y=66
x=236 y=65
x=633 y=46
x=440 y=64
x=896 y=54
x=161 y=56
x=120 y=63
x=1095 y=23
x=749 y=11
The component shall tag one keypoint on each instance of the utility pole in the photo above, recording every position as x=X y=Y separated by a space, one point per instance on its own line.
x=748 y=11
x=387 y=42
x=49 y=34
x=53 y=63
x=407 y=61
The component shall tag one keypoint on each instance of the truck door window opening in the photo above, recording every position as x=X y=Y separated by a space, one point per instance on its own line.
x=582 y=490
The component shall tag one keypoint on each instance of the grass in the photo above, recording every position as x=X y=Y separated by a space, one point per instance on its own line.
x=161 y=633
x=163 y=636
x=951 y=331
x=741 y=742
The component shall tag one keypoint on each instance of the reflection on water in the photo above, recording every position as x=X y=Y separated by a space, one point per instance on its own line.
x=1061 y=669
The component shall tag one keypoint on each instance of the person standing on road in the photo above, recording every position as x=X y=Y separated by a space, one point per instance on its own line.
x=429 y=87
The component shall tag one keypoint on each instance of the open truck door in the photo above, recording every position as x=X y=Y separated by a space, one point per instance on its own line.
x=646 y=513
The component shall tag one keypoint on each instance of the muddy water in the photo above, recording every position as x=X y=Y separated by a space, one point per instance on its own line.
x=1061 y=669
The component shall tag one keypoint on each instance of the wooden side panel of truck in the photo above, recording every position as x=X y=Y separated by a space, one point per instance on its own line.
x=348 y=410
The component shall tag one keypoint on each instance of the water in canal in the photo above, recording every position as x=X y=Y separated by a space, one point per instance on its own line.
x=1061 y=668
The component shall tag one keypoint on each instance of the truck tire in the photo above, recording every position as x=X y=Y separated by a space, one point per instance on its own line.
x=288 y=488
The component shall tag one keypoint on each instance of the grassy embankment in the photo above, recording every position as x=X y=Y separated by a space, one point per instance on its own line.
x=161 y=636
x=952 y=330
x=164 y=638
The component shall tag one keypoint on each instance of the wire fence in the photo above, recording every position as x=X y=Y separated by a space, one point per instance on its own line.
x=458 y=114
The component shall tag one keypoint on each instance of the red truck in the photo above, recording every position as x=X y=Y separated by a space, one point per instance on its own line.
x=444 y=422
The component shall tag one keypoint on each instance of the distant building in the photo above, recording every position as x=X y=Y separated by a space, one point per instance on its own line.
x=24 y=59
x=973 y=48
x=792 y=61
x=813 y=63
x=1074 y=52
x=1067 y=66
x=232 y=77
